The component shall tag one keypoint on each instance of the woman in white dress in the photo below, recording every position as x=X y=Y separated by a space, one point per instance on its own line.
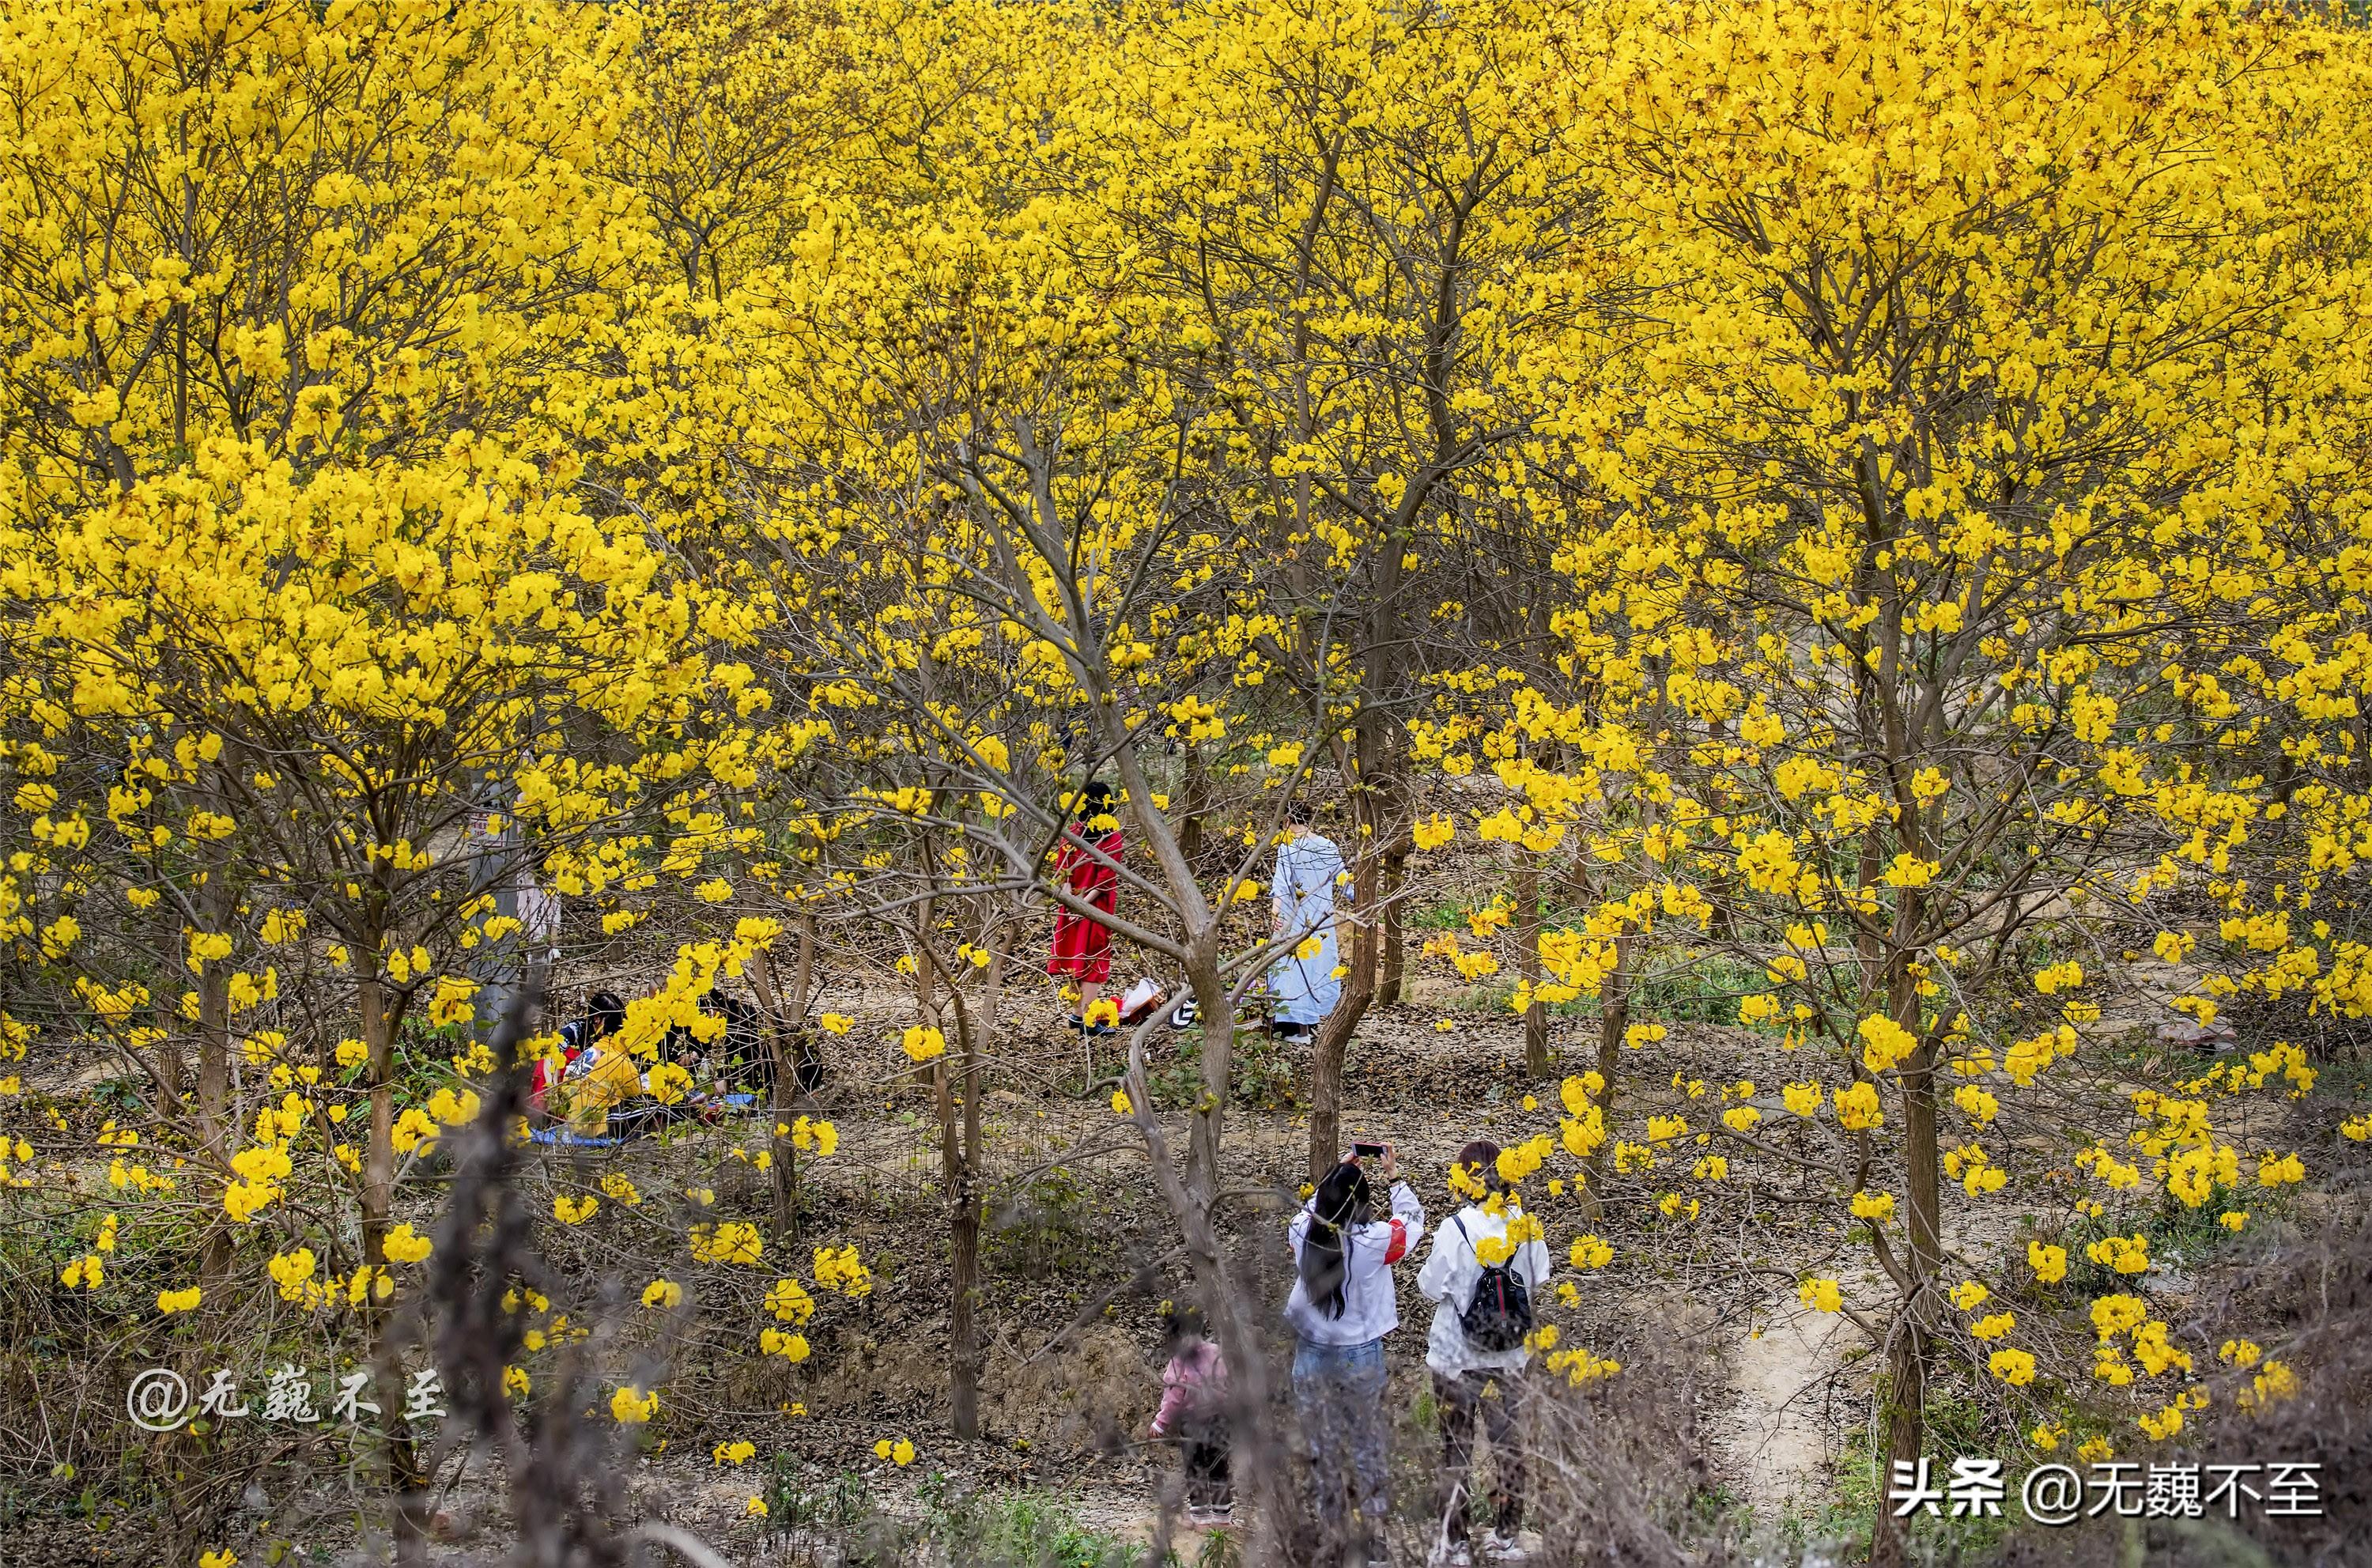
x=1303 y=984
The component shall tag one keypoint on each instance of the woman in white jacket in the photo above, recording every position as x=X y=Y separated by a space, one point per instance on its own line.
x=1470 y=1381
x=1302 y=982
x=1341 y=1309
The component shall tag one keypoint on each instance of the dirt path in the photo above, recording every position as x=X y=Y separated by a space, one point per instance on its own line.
x=1776 y=1443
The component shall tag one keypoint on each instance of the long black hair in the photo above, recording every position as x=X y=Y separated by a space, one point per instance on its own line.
x=1094 y=801
x=1340 y=1205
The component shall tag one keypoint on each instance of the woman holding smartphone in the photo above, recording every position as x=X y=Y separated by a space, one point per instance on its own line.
x=1341 y=1309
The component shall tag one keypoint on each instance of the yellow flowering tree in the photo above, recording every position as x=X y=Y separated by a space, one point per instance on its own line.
x=1344 y=310
x=1925 y=533
x=295 y=579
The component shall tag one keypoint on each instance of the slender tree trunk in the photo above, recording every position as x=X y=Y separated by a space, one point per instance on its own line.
x=214 y=1074
x=1720 y=893
x=956 y=1138
x=1615 y=1011
x=1392 y=973
x=1579 y=890
x=1195 y=801
x=171 y=1065
x=1911 y=1347
x=1190 y=1192
x=1869 y=947
x=961 y=1164
x=1613 y=1024
x=213 y=1048
x=1378 y=782
x=803 y=963
x=1334 y=1034
x=1255 y=1463
x=1906 y=1397
x=1218 y=1030
x=784 y=1045
x=378 y=1160
x=1527 y=965
x=403 y=1481
x=1367 y=818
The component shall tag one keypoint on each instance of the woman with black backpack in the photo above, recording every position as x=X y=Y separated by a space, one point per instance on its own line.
x=1484 y=1282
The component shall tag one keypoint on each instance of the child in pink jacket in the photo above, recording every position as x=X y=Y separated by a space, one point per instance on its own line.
x=1193 y=1414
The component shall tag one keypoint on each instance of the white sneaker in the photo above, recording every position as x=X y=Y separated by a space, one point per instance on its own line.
x=1500 y=1547
x=1452 y=1557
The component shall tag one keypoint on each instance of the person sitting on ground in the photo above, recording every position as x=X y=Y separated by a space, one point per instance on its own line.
x=731 y=1069
x=691 y=1078
x=1088 y=864
x=1193 y=1414
x=730 y=1055
x=599 y=1081
x=604 y=1015
x=1487 y=1268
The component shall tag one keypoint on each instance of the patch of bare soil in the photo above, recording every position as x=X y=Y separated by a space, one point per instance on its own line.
x=1775 y=1437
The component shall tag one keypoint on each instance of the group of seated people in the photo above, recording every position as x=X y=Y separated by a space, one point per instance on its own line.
x=596 y=1088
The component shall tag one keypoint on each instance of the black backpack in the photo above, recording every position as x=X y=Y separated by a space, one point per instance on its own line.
x=1499 y=1314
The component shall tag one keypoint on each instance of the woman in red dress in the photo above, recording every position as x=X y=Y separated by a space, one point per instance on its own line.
x=1087 y=861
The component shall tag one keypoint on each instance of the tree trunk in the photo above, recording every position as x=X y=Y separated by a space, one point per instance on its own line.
x=1615 y=1011
x=961 y=1167
x=215 y=1116
x=1256 y=1462
x=171 y=1066
x=956 y=1140
x=1373 y=749
x=1218 y=1030
x=1869 y=947
x=1722 y=894
x=1909 y=1349
x=1189 y=1194
x=1334 y=1034
x=1906 y=1398
x=1195 y=801
x=378 y=1160
x=783 y=1044
x=1613 y=1023
x=1527 y=965
x=1391 y=974
x=403 y=1480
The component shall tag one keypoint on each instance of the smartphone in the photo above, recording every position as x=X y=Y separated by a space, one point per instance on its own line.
x=1368 y=1151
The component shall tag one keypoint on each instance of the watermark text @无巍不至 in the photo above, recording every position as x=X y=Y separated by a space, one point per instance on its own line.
x=159 y=1399
x=2060 y=1494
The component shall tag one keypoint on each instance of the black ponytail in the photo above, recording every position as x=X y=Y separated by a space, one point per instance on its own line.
x=1342 y=1203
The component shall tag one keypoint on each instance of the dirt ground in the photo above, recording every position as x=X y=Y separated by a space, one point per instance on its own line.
x=1064 y=1410
x=1079 y=1260
x=1784 y=1391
